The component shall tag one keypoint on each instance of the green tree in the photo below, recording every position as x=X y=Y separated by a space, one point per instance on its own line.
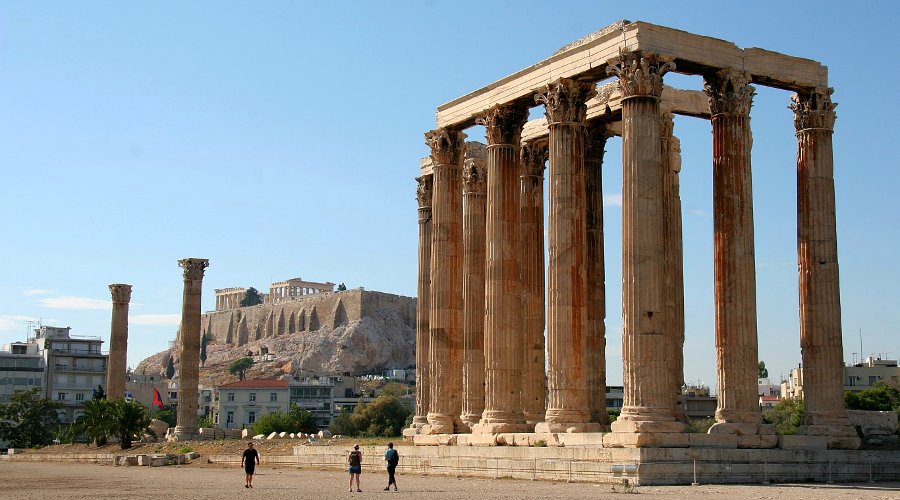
x=99 y=393
x=761 y=370
x=203 y=341
x=167 y=414
x=129 y=421
x=343 y=424
x=786 y=416
x=302 y=420
x=251 y=297
x=170 y=368
x=240 y=366
x=95 y=422
x=206 y=422
x=341 y=287
x=881 y=397
x=383 y=417
x=272 y=422
x=28 y=420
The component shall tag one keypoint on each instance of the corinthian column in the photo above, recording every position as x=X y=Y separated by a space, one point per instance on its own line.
x=189 y=364
x=646 y=338
x=503 y=286
x=567 y=398
x=596 y=272
x=118 y=342
x=474 y=193
x=531 y=223
x=820 y=299
x=445 y=320
x=423 y=196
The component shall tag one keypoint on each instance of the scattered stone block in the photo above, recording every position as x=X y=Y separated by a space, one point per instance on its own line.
x=272 y=435
x=324 y=435
x=245 y=433
x=282 y=435
x=259 y=436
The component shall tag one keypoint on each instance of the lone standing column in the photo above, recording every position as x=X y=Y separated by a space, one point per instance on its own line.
x=730 y=98
x=567 y=397
x=820 y=299
x=118 y=342
x=474 y=193
x=531 y=223
x=423 y=196
x=503 y=284
x=596 y=273
x=646 y=339
x=445 y=322
x=189 y=364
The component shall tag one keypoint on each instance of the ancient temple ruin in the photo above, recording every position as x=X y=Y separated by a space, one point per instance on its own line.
x=481 y=345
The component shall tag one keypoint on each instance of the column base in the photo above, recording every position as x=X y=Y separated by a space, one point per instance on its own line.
x=643 y=419
x=441 y=424
x=469 y=420
x=184 y=433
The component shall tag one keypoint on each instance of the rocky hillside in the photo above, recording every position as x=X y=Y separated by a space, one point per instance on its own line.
x=371 y=344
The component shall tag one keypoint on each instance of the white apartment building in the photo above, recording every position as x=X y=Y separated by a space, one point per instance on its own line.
x=75 y=368
x=21 y=369
x=239 y=404
x=857 y=377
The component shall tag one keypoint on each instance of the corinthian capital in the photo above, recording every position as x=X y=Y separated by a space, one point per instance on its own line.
x=503 y=123
x=193 y=268
x=534 y=156
x=423 y=191
x=474 y=176
x=121 y=294
x=813 y=109
x=639 y=74
x=729 y=91
x=447 y=146
x=565 y=100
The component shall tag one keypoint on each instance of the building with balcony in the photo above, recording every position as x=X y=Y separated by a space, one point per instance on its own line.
x=857 y=377
x=21 y=369
x=75 y=368
x=237 y=405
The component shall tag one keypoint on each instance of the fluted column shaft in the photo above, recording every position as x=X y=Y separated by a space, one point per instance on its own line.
x=118 y=342
x=423 y=197
x=567 y=399
x=189 y=363
x=445 y=320
x=474 y=248
x=503 y=286
x=531 y=223
x=730 y=99
x=820 y=300
x=646 y=337
x=596 y=273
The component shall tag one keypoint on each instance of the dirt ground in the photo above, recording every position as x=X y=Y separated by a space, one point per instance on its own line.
x=50 y=480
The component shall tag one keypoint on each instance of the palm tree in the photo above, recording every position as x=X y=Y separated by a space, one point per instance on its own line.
x=95 y=421
x=130 y=419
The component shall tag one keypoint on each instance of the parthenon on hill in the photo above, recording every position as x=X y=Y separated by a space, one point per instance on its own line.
x=481 y=350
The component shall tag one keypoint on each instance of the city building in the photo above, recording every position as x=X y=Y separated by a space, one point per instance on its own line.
x=21 y=369
x=75 y=368
x=857 y=377
x=237 y=405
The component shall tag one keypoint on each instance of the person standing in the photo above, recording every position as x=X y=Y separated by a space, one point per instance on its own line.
x=392 y=457
x=354 y=459
x=247 y=462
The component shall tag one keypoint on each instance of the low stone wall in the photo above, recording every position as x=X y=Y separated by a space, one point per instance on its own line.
x=100 y=458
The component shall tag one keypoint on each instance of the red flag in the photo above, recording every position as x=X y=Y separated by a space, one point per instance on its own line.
x=157 y=399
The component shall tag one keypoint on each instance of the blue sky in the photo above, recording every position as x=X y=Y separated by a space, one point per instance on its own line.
x=280 y=139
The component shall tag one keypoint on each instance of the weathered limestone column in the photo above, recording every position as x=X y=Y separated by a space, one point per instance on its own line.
x=596 y=272
x=820 y=299
x=730 y=99
x=567 y=398
x=503 y=284
x=673 y=249
x=445 y=320
x=531 y=224
x=474 y=248
x=118 y=342
x=189 y=364
x=423 y=308
x=646 y=338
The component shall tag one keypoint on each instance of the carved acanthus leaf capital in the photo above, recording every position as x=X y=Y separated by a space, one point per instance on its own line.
x=595 y=138
x=813 y=109
x=121 y=293
x=503 y=123
x=640 y=74
x=729 y=91
x=423 y=191
x=474 y=176
x=193 y=268
x=566 y=100
x=534 y=157
x=447 y=146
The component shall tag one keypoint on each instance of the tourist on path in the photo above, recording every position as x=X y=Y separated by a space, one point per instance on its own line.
x=354 y=459
x=392 y=458
x=247 y=462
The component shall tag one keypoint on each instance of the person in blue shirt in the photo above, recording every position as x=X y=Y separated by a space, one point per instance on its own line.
x=392 y=458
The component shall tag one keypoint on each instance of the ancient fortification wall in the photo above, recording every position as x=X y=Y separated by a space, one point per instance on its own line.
x=301 y=314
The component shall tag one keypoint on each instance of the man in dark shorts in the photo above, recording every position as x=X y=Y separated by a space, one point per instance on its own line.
x=392 y=458
x=247 y=462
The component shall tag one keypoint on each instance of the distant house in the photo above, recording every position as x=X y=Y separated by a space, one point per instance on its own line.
x=237 y=405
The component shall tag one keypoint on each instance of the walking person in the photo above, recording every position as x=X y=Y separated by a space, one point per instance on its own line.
x=247 y=462
x=392 y=457
x=354 y=459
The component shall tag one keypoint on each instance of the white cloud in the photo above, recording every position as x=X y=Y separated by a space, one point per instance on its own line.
x=75 y=303
x=12 y=323
x=36 y=291
x=155 y=319
x=612 y=200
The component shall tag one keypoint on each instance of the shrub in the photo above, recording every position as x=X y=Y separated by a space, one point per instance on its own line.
x=383 y=417
x=786 y=416
x=700 y=425
x=342 y=424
